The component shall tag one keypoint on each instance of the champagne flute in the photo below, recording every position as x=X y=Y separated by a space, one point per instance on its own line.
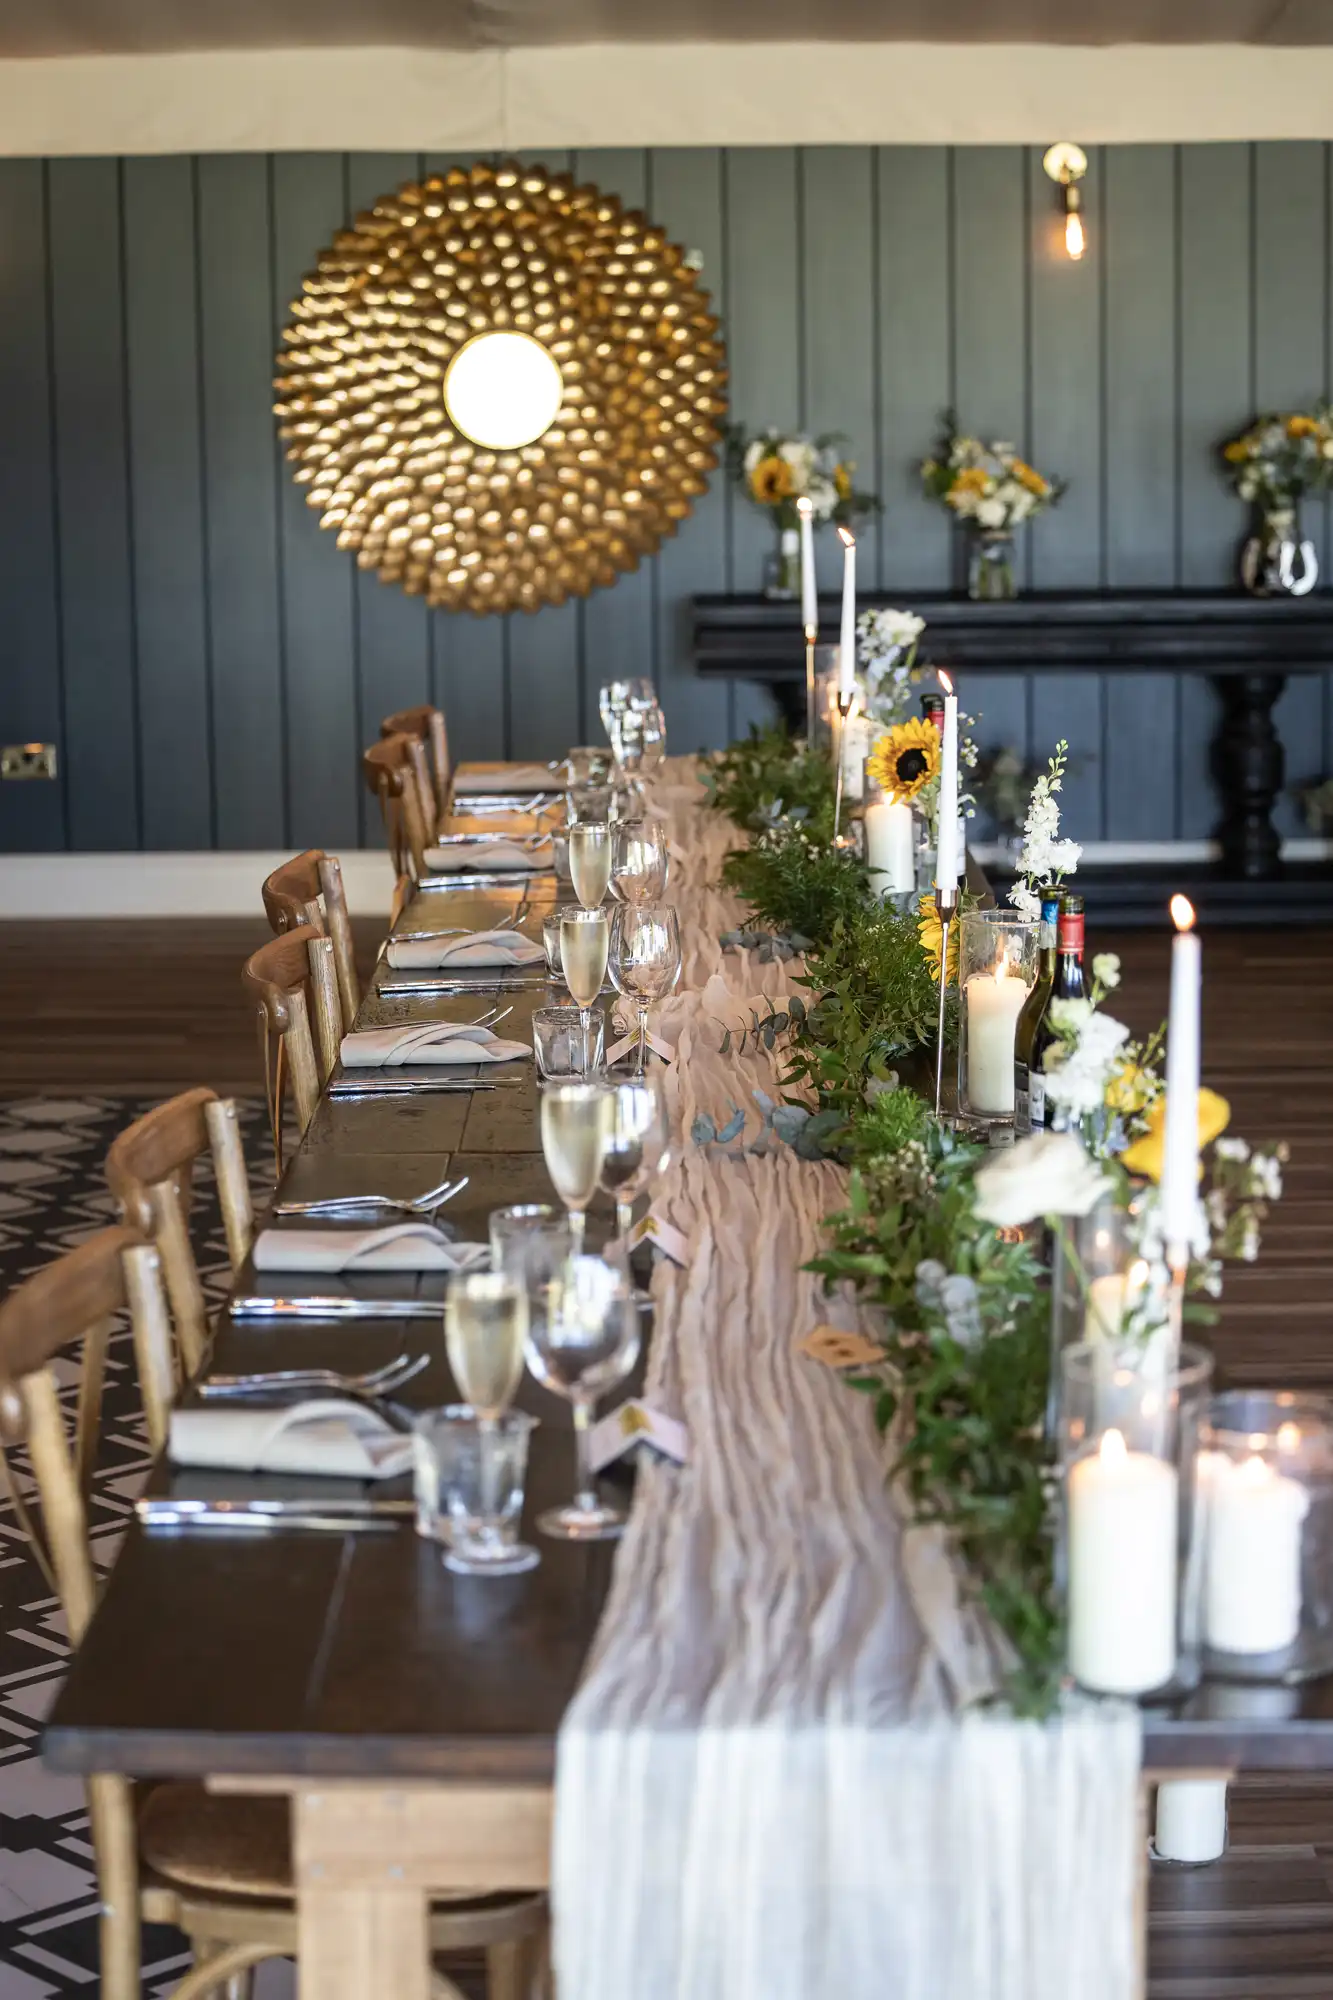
x=590 y=860
x=485 y=1330
x=585 y=939
x=585 y=1341
x=639 y=861
x=637 y=1135
x=647 y=960
x=573 y=1123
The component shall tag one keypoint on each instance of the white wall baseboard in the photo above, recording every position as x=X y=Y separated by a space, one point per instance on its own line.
x=171 y=885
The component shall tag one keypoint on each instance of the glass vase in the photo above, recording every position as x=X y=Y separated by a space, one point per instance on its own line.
x=1265 y=1494
x=990 y=568
x=1100 y=1288
x=782 y=571
x=1128 y=1563
x=1274 y=561
x=997 y=968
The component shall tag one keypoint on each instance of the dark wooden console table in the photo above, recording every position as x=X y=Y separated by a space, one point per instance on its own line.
x=1246 y=646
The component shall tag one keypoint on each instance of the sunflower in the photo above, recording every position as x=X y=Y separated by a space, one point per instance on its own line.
x=771 y=482
x=1027 y=475
x=972 y=479
x=1302 y=427
x=905 y=759
x=930 y=930
x=1237 y=451
x=1145 y=1156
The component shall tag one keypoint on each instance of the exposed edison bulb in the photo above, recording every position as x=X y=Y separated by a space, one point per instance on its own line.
x=502 y=390
x=1075 y=240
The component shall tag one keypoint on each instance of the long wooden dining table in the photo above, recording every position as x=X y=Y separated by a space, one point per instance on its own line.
x=411 y=1715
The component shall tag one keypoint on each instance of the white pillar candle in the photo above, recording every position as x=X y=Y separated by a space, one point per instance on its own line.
x=1191 y=1821
x=847 y=631
x=809 y=595
x=994 y=1003
x=1180 y=1166
x=948 y=860
x=890 y=847
x=1122 y=1569
x=1253 y=1518
x=1111 y=1299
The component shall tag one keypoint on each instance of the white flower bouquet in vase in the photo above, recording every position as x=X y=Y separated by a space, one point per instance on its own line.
x=991 y=491
x=776 y=470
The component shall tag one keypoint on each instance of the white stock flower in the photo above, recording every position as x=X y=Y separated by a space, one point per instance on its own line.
x=1025 y=900
x=800 y=455
x=1231 y=1149
x=1106 y=970
x=822 y=495
x=1046 y=1174
x=1266 y=1176
x=1070 y=1014
x=1078 y=1072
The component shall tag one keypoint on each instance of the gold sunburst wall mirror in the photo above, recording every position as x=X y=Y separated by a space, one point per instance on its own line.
x=501 y=389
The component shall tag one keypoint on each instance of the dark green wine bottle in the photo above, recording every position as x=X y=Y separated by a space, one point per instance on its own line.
x=1033 y=1011
x=1068 y=984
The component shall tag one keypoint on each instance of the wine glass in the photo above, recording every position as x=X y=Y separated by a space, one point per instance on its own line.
x=595 y=802
x=585 y=939
x=585 y=1341
x=614 y=698
x=637 y=1137
x=574 y=1122
x=590 y=860
x=647 y=959
x=639 y=861
x=652 y=737
x=485 y=1329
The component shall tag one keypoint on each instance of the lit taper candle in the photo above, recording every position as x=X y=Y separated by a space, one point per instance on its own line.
x=847 y=635
x=1180 y=1165
x=947 y=858
x=809 y=595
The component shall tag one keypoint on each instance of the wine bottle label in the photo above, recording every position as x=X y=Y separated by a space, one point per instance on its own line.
x=1071 y=931
x=1036 y=1101
x=1022 y=1100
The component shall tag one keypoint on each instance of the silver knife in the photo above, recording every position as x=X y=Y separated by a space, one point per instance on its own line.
x=210 y=1521
x=336 y=1306
x=460 y=880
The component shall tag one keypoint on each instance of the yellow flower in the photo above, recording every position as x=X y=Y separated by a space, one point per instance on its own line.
x=1028 y=476
x=1302 y=427
x=905 y=758
x=1145 y=1156
x=771 y=481
x=1130 y=1089
x=972 y=479
x=842 y=481
x=930 y=931
x=1237 y=451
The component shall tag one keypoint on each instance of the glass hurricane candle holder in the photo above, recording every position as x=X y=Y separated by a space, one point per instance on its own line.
x=1101 y=1289
x=997 y=968
x=1130 y=1422
x=1265 y=1502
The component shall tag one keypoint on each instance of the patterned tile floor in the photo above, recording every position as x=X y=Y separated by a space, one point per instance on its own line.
x=51 y=1197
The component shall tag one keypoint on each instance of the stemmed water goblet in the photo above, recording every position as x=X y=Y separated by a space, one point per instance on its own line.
x=639 y=860
x=615 y=698
x=647 y=947
x=636 y=1142
x=574 y=1119
x=585 y=939
x=585 y=1341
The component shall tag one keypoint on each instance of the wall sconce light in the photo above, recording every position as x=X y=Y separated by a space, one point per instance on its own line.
x=1066 y=164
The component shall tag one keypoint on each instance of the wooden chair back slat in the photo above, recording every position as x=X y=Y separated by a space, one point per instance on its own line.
x=339 y=926
x=408 y=818
x=291 y=889
x=429 y=726
x=224 y=1137
x=189 y=1312
x=277 y=978
x=308 y=889
x=328 y=1005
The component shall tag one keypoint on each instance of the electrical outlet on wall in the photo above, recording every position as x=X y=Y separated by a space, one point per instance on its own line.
x=28 y=760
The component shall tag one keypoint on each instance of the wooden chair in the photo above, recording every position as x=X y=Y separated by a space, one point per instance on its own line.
x=393 y=770
x=309 y=890
x=427 y=725
x=282 y=980
x=218 y=1867
x=149 y=1170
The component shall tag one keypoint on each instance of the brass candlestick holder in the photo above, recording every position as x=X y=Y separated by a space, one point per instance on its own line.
x=946 y=905
x=811 y=641
x=846 y=703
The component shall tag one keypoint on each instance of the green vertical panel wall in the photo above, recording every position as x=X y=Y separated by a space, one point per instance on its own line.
x=210 y=663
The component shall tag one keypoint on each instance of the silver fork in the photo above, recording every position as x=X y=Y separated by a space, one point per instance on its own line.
x=421 y=1204
x=375 y=1382
x=453 y=930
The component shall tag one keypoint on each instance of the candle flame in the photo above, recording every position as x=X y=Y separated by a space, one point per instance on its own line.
x=1257 y=1441
x=948 y=684
x=805 y=505
x=1182 y=913
x=1075 y=240
x=847 y=538
x=1112 y=1445
x=1138 y=1275
x=1288 y=1437
x=1254 y=1471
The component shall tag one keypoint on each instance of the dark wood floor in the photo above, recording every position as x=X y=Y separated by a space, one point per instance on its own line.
x=145 y=1007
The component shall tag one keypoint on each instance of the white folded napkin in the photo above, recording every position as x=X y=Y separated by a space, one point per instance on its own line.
x=491 y=856
x=479 y=948
x=396 y=1246
x=427 y=1042
x=471 y=779
x=344 y=1440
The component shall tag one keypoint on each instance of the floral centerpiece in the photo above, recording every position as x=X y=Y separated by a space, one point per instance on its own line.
x=778 y=469
x=992 y=491
x=1044 y=856
x=1275 y=463
x=904 y=757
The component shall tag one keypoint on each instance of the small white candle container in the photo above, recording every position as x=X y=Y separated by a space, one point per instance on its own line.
x=1264 y=1493
x=997 y=968
x=1129 y=1430
x=888 y=838
x=1190 y=1822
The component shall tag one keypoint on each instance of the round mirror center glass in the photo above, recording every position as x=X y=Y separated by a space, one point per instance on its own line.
x=502 y=390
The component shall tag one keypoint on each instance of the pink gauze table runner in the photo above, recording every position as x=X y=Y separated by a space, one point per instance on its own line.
x=773 y=1783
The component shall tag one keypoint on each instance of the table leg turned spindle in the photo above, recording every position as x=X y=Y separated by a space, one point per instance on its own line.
x=1248 y=766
